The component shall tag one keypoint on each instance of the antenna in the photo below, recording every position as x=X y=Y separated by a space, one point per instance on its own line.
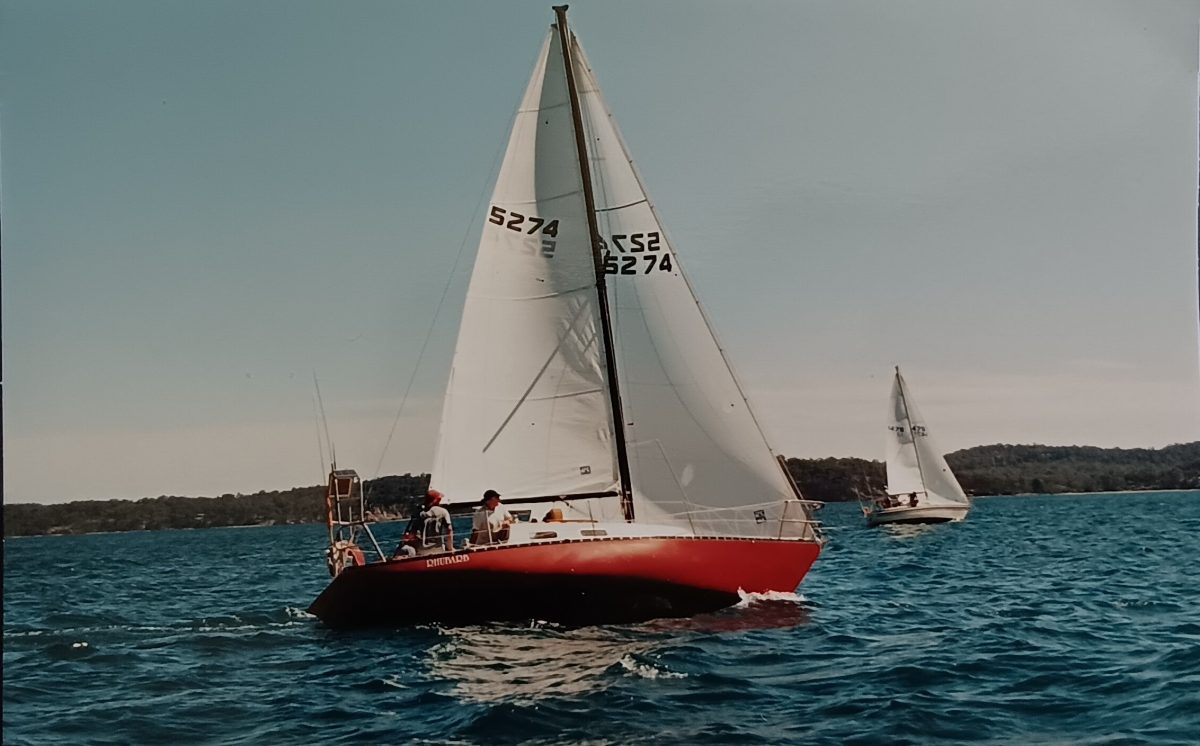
x=324 y=423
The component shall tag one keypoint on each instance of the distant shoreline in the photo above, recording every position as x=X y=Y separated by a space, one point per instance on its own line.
x=268 y=524
x=1095 y=492
x=990 y=471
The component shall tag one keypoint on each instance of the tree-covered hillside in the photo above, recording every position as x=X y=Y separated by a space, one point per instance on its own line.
x=1005 y=469
x=837 y=479
x=1017 y=469
x=983 y=470
x=386 y=496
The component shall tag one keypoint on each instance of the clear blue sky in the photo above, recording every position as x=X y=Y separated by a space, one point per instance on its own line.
x=206 y=202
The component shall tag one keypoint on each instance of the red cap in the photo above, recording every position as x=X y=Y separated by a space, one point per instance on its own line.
x=433 y=496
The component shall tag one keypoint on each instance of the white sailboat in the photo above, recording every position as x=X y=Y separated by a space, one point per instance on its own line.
x=586 y=379
x=920 y=486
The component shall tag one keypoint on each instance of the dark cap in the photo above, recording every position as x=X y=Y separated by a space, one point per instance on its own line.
x=490 y=494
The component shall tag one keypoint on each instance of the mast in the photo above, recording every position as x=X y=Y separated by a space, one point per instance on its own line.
x=610 y=362
x=911 y=433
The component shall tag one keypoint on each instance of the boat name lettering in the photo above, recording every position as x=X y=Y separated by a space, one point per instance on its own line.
x=452 y=559
x=515 y=221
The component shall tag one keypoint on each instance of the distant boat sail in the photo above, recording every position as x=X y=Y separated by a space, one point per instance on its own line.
x=587 y=379
x=920 y=486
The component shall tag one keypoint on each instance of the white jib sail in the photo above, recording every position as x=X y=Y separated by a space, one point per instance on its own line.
x=527 y=410
x=693 y=442
x=914 y=463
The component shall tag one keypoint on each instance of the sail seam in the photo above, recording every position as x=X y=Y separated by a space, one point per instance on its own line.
x=538 y=200
x=569 y=395
x=531 y=297
x=621 y=207
x=541 y=109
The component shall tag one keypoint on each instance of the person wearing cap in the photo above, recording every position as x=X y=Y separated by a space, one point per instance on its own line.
x=435 y=527
x=491 y=520
x=499 y=519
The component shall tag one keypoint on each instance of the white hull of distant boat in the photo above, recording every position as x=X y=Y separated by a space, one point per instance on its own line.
x=905 y=514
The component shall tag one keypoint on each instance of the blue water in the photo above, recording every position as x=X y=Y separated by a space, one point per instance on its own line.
x=1069 y=619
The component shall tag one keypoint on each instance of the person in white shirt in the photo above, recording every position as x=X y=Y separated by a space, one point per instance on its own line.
x=491 y=520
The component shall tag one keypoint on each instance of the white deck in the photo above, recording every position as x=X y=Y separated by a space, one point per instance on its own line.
x=533 y=533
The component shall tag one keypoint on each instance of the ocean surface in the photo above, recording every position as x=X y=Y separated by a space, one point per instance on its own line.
x=1039 y=620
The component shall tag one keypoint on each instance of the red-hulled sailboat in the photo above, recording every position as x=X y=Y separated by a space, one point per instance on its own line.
x=586 y=382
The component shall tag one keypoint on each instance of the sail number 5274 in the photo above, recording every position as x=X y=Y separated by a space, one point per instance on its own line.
x=529 y=224
x=649 y=245
x=628 y=265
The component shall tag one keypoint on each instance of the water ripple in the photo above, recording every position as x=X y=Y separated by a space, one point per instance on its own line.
x=1044 y=620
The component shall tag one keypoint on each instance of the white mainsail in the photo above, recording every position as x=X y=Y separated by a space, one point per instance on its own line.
x=914 y=462
x=528 y=409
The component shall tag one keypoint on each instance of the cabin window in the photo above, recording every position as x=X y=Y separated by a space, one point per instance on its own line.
x=593 y=532
x=545 y=535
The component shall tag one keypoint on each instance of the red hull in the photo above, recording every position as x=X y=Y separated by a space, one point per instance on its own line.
x=574 y=582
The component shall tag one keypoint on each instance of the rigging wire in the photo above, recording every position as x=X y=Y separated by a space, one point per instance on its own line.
x=320 y=446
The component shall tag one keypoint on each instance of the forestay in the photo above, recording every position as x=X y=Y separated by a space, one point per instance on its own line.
x=914 y=463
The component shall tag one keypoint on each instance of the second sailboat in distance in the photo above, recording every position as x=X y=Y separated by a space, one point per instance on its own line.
x=920 y=486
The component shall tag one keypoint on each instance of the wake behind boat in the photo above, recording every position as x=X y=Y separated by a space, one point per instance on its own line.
x=920 y=486
x=586 y=381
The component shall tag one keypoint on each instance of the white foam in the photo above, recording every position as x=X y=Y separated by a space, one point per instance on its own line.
x=753 y=598
x=295 y=613
x=647 y=671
